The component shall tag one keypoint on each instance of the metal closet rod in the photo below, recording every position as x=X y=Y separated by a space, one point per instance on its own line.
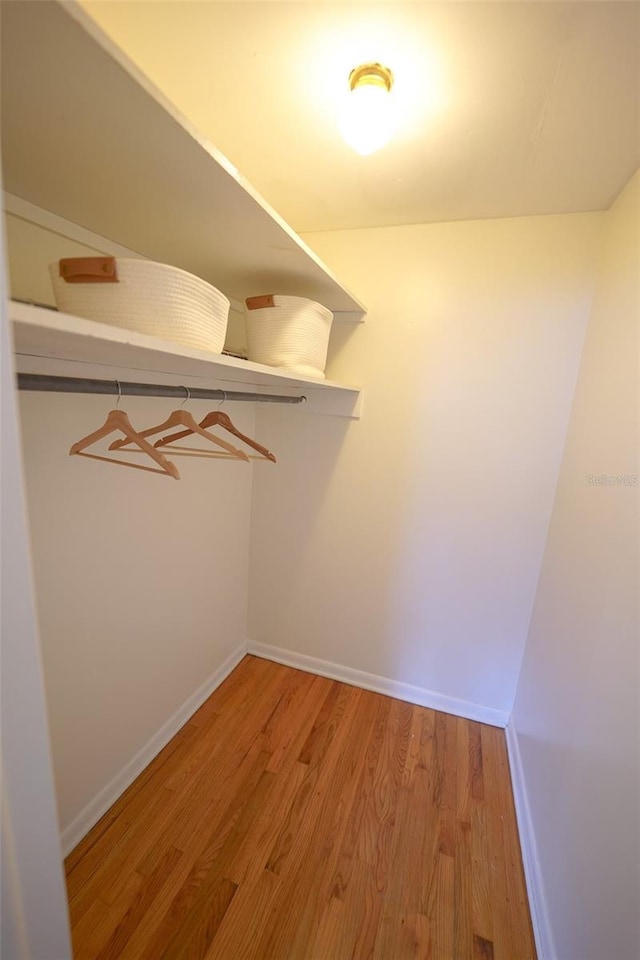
x=34 y=381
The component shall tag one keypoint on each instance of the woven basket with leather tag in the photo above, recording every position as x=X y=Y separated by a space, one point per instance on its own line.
x=141 y=295
x=289 y=332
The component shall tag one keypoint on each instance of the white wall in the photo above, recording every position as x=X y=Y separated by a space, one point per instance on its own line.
x=141 y=581
x=409 y=544
x=32 y=894
x=576 y=710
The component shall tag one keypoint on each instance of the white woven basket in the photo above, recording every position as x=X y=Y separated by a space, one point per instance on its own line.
x=152 y=298
x=289 y=332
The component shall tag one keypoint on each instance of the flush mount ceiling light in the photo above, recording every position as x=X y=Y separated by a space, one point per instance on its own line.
x=367 y=119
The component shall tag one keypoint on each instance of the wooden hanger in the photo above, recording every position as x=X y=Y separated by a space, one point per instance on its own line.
x=183 y=418
x=217 y=418
x=118 y=420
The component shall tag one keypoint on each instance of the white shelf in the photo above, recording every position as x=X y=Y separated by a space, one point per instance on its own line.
x=86 y=136
x=49 y=342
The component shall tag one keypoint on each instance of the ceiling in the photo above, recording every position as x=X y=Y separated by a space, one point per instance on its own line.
x=504 y=108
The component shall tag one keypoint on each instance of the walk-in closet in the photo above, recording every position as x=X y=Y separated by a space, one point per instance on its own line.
x=320 y=480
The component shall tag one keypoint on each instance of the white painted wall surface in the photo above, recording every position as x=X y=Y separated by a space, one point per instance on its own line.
x=409 y=544
x=576 y=711
x=34 y=923
x=141 y=583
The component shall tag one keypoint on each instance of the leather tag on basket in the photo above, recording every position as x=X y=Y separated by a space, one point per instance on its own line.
x=89 y=270
x=257 y=303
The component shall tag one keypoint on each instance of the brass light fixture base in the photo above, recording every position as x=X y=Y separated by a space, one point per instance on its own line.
x=373 y=74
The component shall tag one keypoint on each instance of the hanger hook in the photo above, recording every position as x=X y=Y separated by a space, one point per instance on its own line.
x=188 y=396
x=224 y=397
x=119 y=394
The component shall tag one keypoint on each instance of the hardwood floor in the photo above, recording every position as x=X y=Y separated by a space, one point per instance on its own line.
x=297 y=818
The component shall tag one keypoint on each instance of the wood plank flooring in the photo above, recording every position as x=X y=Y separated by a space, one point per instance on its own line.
x=297 y=818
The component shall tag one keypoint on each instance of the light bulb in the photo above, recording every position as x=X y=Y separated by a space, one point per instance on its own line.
x=367 y=119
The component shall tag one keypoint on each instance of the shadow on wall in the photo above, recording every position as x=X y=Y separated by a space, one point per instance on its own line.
x=289 y=508
x=322 y=523
x=340 y=343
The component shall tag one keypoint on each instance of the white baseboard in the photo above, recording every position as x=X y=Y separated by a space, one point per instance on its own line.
x=532 y=871
x=370 y=681
x=97 y=807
